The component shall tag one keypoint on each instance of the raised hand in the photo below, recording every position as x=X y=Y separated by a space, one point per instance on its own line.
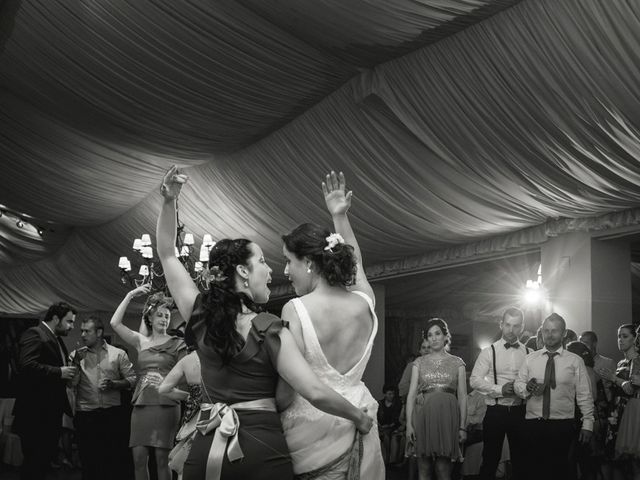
x=172 y=183
x=335 y=196
x=141 y=290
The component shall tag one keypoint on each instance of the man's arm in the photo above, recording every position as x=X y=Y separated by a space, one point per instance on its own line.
x=478 y=379
x=584 y=399
x=29 y=360
x=520 y=385
x=127 y=373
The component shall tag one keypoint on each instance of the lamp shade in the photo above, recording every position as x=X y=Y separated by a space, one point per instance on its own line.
x=122 y=263
x=146 y=240
x=144 y=270
x=188 y=239
x=147 y=252
x=204 y=254
x=207 y=241
x=137 y=244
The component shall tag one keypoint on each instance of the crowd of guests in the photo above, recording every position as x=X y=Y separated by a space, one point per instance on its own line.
x=258 y=397
x=566 y=411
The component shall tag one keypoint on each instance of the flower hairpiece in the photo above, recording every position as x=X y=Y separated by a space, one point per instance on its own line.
x=213 y=275
x=156 y=300
x=333 y=240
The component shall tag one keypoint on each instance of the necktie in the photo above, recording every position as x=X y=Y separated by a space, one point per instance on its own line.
x=511 y=345
x=549 y=383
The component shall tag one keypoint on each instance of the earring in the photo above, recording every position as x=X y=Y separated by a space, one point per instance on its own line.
x=308 y=269
x=246 y=283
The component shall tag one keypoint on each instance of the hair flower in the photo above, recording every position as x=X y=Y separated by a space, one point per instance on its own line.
x=333 y=240
x=213 y=275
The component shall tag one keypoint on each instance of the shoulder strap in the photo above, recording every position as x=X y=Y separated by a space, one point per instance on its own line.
x=526 y=349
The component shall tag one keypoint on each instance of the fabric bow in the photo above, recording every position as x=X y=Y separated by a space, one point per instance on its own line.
x=224 y=420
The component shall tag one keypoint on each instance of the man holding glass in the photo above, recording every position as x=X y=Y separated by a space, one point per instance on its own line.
x=103 y=370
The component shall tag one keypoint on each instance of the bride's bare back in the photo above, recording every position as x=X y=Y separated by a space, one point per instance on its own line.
x=343 y=324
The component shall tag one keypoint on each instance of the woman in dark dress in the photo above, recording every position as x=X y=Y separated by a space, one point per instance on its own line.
x=242 y=354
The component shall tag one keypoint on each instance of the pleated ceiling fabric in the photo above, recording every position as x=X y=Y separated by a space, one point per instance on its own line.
x=463 y=126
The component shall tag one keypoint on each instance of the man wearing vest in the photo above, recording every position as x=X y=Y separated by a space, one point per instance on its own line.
x=554 y=380
x=493 y=375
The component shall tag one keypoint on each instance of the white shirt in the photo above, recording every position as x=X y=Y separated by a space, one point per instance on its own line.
x=508 y=363
x=572 y=386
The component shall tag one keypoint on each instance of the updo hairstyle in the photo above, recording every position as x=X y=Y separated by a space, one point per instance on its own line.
x=338 y=265
x=443 y=326
x=151 y=306
x=222 y=303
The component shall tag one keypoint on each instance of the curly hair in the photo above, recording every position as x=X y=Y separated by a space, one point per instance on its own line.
x=337 y=265
x=222 y=303
x=151 y=306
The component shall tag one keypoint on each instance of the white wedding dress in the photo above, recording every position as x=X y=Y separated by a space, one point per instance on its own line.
x=315 y=438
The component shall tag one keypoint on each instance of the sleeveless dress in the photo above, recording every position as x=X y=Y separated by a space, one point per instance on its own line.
x=155 y=417
x=436 y=417
x=249 y=443
x=317 y=439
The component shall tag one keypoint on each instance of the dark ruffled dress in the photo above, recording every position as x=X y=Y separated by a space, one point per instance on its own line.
x=155 y=417
x=250 y=376
x=627 y=444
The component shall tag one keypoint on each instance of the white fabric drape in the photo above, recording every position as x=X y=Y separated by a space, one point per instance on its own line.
x=499 y=122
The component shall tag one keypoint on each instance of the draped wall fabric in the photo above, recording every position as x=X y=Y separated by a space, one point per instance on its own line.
x=504 y=118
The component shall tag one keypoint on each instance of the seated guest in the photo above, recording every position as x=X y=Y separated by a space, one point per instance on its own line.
x=388 y=424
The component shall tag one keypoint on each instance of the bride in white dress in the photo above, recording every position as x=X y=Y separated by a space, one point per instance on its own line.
x=334 y=324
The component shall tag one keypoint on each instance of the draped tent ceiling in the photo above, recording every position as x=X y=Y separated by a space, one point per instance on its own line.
x=463 y=126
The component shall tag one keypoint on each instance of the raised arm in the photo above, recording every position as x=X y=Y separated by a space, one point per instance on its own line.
x=296 y=372
x=125 y=333
x=338 y=201
x=183 y=290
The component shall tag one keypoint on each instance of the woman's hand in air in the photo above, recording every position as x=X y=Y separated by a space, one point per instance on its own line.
x=141 y=290
x=335 y=196
x=172 y=183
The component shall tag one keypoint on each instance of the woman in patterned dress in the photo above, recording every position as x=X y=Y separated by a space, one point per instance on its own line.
x=437 y=405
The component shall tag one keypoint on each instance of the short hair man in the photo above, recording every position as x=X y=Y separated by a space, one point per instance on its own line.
x=553 y=380
x=493 y=375
x=42 y=395
x=600 y=363
x=103 y=371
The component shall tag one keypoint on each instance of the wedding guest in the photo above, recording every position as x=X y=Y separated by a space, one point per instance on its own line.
x=42 y=390
x=553 y=380
x=389 y=410
x=103 y=371
x=438 y=394
x=493 y=375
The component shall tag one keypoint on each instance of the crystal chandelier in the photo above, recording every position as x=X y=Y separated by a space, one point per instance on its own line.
x=150 y=269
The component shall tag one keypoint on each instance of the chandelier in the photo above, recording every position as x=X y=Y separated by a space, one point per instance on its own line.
x=150 y=269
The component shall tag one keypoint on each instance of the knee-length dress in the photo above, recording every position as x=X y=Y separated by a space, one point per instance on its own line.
x=243 y=392
x=155 y=417
x=627 y=442
x=436 y=415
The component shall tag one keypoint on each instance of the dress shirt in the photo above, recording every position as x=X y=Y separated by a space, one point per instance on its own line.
x=572 y=386
x=107 y=362
x=508 y=362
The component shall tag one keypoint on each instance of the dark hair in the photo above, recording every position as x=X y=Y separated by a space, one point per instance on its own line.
x=556 y=318
x=97 y=323
x=582 y=351
x=571 y=335
x=629 y=326
x=337 y=265
x=532 y=343
x=59 y=310
x=513 y=312
x=151 y=306
x=389 y=388
x=443 y=326
x=222 y=303
x=591 y=335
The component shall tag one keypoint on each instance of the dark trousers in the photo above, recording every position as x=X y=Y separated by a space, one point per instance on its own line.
x=101 y=443
x=498 y=422
x=39 y=443
x=548 y=444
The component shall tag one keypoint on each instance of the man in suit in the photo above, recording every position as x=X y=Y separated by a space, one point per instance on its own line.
x=42 y=396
